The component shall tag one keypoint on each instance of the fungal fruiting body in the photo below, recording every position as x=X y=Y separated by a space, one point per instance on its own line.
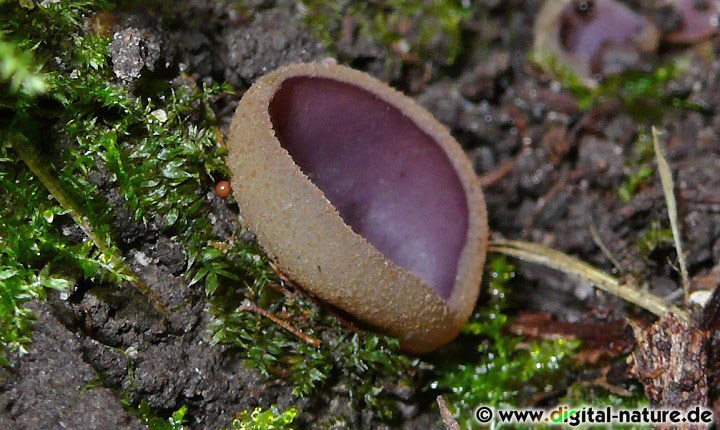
x=698 y=21
x=223 y=189
x=596 y=37
x=363 y=198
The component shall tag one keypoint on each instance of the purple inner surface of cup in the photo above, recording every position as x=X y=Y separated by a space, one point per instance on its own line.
x=583 y=32
x=389 y=180
x=699 y=20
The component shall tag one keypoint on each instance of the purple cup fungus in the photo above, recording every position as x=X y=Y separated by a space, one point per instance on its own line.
x=363 y=198
x=698 y=20
x=591 y=38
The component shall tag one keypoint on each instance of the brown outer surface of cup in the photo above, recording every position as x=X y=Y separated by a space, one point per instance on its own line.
x=297 y=225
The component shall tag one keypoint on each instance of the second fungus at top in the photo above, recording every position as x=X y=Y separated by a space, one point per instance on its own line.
x=594 y=37
x=691 y=21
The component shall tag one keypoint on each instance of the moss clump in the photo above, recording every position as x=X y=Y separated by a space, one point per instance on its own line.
x=364 y=367
x=653 y=237
x=416 y=30
x=639 y=167
x=148 y=417
x=642 y=95
x=270 y=419
x=500 y=371
x=582 y=393
x=37 y=251
x=160 y=155
x=85 y=120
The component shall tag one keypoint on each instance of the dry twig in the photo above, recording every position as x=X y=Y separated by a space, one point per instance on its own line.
x=447 y=416
x=667 y=185
x=249 y=305
x=539 y=254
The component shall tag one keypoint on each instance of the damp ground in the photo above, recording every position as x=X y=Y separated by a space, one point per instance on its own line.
x=555 y=172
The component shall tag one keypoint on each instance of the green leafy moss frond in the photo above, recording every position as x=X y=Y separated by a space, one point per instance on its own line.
x=19 y=72
x=160 y=155
x=639 y=167
x=363 y=366
x=148 y=417
x=270 y=419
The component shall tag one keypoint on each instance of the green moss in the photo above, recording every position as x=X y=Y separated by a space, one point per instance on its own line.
x=19 y=72
x=425 y=31
x=643 y=95
x=34 y=253
x=161 y=155
x=360 y=366
x=639 y=167
x=270 y=419
x=653 y=237
x=582 y=394
x=149 y=418
x=504 y=368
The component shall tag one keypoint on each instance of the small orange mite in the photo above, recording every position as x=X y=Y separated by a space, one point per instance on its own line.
x=223 y=189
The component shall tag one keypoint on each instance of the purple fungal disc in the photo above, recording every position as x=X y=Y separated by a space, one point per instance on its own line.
x=390 y=181
x=699 y=20
x=589 y=26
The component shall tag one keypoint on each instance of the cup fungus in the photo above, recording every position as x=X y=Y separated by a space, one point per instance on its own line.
x=363 y=198
x=698 y=21
x=594 y=37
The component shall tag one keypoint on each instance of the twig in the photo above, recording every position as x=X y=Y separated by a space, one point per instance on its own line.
x=667 y=185
x=538 y=254
x=491 y=178
x=279 y=288
x=602 y=382
x=284 y=279
x=447 y=417
x=303 y=293
x=345 y=322
x=248 y=305
x=599 y=242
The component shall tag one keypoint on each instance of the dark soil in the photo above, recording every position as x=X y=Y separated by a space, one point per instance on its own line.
x=55 y=384
x=560 y=170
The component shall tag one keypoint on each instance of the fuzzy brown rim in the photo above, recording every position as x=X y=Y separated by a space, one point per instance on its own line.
x=296 y=224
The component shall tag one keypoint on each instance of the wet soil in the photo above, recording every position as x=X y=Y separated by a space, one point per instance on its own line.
x=552 y=174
